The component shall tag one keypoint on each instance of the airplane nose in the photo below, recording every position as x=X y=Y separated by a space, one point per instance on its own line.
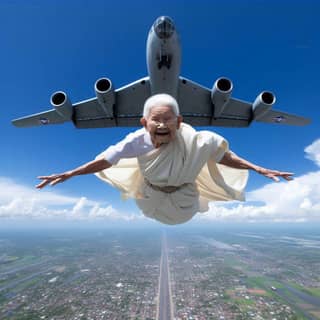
x=164 y=27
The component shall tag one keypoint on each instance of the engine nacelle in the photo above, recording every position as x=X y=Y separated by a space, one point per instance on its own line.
x=220 y=95
x=105 y=95
x=263 y=103
x=60 y=101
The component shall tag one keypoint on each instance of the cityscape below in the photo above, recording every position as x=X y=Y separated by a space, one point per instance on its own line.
x=222 y=272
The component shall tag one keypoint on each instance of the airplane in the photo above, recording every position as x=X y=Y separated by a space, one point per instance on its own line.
x=199 y=106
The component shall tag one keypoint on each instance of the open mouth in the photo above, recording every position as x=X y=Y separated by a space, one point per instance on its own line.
x=162 y=133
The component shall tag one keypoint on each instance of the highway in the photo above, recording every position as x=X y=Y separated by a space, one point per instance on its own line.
x=165 y=311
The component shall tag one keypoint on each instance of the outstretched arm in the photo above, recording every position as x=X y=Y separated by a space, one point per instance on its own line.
x=90 y=167
x=232 y=160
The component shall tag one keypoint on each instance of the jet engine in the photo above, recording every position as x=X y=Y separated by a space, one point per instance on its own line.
x=60 y=101
x=263 y=103
x=105 y=95
x=220 y=95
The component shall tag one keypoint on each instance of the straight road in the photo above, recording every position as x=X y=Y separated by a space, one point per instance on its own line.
x=165 y=311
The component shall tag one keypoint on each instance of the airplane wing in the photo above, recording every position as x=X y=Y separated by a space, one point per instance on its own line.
x=123 y=107
x=38 y=119
x=124 y=110
x=279 y=117
x=194 y=102
x=197 y=109
x=129 y=101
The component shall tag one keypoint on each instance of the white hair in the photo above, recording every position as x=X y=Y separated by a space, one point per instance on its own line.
x=161 y=99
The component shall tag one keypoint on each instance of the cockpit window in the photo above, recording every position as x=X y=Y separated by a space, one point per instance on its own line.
x=164 y=27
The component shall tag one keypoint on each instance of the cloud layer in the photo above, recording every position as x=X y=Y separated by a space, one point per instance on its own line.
x=294 y=201
x=17 y=201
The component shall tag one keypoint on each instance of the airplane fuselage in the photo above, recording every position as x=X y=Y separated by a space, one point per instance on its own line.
x=163 y=57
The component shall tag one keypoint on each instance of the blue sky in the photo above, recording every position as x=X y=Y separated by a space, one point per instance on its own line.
x=67 y=45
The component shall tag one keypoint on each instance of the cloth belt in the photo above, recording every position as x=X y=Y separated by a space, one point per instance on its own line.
x=165 y=189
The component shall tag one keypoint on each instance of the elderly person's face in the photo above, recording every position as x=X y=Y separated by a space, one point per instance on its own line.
x=162 y=124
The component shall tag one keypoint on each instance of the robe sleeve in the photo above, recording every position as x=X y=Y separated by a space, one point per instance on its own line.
x=130 y=147
x=219 y=147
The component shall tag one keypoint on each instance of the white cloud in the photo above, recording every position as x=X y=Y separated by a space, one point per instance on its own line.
x=110 y=213
x=18 y=201
x=313 y=152
x=10 y=189
x=294 y=201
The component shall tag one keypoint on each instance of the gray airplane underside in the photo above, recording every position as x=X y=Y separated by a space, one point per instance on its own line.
x=199 y=106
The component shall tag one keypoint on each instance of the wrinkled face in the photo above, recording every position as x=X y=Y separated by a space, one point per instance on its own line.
x=162 y=124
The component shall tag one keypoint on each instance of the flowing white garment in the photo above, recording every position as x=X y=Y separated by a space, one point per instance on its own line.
x=187 y=161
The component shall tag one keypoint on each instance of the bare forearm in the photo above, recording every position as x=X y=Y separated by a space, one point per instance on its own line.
x=232 y=160
x=87 y=168
x=90 y=167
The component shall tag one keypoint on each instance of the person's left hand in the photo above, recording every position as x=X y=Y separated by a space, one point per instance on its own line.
x=274 y=174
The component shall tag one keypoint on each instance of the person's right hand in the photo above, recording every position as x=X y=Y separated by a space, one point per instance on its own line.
x=53 y=179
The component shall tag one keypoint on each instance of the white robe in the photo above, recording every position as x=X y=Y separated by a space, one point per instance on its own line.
x=187 y=161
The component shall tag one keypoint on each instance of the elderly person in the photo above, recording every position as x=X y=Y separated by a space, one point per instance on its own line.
x=170 y=169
